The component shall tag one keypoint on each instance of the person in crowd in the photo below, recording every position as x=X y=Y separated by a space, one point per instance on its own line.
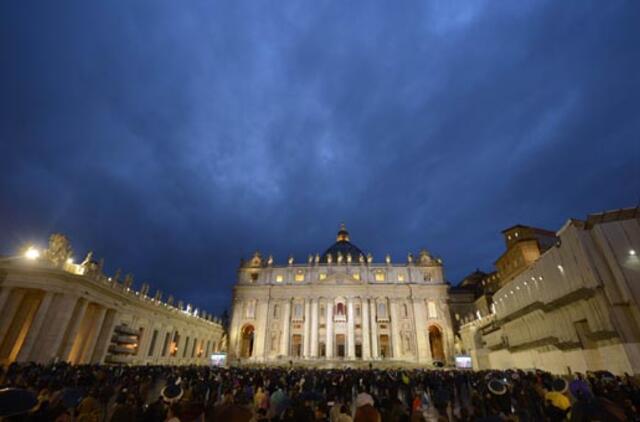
x=117 y=393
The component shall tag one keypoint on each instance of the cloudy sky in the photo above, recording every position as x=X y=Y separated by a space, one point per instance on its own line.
x=172 y=138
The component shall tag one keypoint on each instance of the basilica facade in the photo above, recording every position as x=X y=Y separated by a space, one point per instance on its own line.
x=341 y=307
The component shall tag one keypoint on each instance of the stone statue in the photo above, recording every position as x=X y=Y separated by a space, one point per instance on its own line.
x=290 y=260
x=410 y=258
x=361 y=259
x=170 y=300
x=349 y=258
x=116 y=277
x=128 y=281
x=387 y=259
x=59 y=249
x=90 y=266
x=270 y=260
x=158 y=296
x=369 y=258
x=329 y=258
x=310 y=259
x=339 y=258
x=317 y=258
x=180 y=305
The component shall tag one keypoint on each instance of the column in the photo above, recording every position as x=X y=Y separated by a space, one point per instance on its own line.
x=9 y=311
x=72 y=330
x=262 y=329
x=4 y=295
x=351 y=338
x=286 y=327
x=420 y=324
x=104 y=336
x=314 y=328
x=93 y=334
x=395 y=330
x=307 y=328
x=329 y=329
x=35 y=328
x=374 y=329
x=60 y=312
x=366 y=333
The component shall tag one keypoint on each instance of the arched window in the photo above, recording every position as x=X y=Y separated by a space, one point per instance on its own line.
x=340 y=309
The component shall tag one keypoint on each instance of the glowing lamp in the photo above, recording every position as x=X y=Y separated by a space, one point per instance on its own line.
x=32 y=253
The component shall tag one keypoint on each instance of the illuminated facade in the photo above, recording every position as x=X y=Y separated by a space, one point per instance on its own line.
x=53 y=309
x=575 y=308
x=341 y=307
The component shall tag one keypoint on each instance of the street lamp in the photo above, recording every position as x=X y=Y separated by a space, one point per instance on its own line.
x=32 y=253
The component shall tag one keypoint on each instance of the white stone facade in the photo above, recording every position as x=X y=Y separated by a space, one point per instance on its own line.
x=576 y=308
x=341 y=308
x=52 y=309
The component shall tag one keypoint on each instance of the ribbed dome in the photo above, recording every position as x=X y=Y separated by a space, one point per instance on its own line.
x=342 y=247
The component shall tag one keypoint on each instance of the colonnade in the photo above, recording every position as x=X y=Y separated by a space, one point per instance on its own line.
x=41 y=326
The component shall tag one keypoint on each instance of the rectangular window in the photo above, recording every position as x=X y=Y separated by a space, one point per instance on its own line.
x=356 y=276
x=297 y=311
x=279 y=278
x=401 y=277
x=379 y=276
x=299 y=276
x=432 y=310
x=322 y=276
x=153 y=342
x=382 y=311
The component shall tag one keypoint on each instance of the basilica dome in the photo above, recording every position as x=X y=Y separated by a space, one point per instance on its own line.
x=342 y=247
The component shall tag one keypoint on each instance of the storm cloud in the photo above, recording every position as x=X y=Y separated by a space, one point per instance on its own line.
x=173 y=138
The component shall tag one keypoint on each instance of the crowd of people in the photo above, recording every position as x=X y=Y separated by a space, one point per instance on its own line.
x=60 y=392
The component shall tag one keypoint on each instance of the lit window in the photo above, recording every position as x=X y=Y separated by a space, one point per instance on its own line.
x=400 y=277
x=431 y=309
x=379 y=276
x=632 y=252
x=323 y=276
x=279 y=278
x=356 y=276
x=516 y=234
x=299 y=276
x=509 y=237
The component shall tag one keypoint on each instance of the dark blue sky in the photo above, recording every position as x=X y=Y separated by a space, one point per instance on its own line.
x=174 y=137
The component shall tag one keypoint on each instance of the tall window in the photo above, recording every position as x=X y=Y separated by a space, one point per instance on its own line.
x=299 y=276
x=379 y=276
x=340 y=309
x=382 y=310
x=432 y=310
x=297 y=311
x=250 y=310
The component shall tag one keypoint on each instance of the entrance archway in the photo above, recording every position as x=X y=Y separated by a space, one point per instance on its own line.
x=340 y=346
x=246 y=342
x=435 y=340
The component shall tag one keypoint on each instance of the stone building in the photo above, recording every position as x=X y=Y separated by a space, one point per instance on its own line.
x=342 y=306
x=53 y=309
x=574 y=308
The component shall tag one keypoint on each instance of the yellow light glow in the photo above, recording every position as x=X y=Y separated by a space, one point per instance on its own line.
x=32 y=253
x=69 y=261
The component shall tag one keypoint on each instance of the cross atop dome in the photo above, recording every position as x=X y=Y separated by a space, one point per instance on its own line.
x=343 y=234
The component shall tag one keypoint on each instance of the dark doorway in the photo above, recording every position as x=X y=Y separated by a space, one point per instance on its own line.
x=246 y=347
